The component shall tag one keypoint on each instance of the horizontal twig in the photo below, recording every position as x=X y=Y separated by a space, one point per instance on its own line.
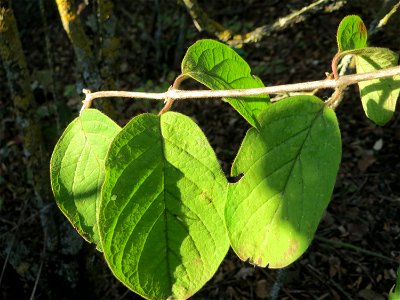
x=278 y=89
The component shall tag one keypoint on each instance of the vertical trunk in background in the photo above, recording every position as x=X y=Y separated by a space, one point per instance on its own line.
x=109 y=43
x=98 y=66
x=18 y=76
x=14 y=63
x=81 y=43
x=108 y=52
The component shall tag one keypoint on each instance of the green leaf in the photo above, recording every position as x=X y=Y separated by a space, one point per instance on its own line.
x=289 y=168
x=395 y=291
x=218 y=67
x=77 y=169
x=378 y=96
x=351 y=34
x=161 y=214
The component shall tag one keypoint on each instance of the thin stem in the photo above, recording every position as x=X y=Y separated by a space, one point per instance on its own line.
x=335 y=62
x=89 y=96
x=338 y=56
x=336 y=97
x=176 y=94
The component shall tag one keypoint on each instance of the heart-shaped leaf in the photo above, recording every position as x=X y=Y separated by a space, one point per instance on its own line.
x=219 y=67
x=289 y=168
x=77 y=169
x=351 y=34
x=161 y=214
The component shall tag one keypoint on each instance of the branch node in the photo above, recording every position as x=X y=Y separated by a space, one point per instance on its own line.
x=169 y=99
x=88 y=100
x=336 y=97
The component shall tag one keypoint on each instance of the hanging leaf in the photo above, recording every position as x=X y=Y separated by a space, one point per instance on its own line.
x=289 y=168
x=77 y=169
x=161 y=214
x=218 y=67
x=351 y=34
x=378 y=96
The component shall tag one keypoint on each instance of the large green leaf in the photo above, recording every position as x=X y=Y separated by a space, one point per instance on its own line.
x=351 y=34
x=161 y=215
x=378 y=96
x=289 y=168
x=218 y=67
x=77 y=169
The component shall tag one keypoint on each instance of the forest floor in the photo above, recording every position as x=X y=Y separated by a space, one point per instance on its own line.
x=356 y=250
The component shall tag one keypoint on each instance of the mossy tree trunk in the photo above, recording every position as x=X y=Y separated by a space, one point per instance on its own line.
x=109 y=43
x=18 y=76
x=98 y=66
x=108 y=51
x=35 y=155
x=81 y=43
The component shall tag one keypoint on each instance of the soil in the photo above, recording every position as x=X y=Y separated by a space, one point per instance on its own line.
x=356 y=251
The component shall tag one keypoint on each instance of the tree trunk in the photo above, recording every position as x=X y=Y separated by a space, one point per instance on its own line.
x=35 y=155
x=98 y=66
x=81 y=44
x=109 y=43
x=108 y=52
x=19 y=81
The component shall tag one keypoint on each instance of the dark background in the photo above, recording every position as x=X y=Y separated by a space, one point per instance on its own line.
x=41 y=256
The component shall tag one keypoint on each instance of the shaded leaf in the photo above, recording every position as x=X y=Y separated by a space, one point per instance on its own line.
x=161 y=215
x=351 y=34
x=218 y=67
x=378 y=96
x=289 y=168
x=77 y=169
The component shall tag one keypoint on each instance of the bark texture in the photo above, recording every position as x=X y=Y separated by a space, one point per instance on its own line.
x=81 y=43
x=18 y=76
x=98 y=66
x=35 y=155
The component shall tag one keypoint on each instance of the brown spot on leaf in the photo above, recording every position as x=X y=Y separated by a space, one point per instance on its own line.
x=287 y=256
x=206 y=196
x=258 y=261
x=361 y=27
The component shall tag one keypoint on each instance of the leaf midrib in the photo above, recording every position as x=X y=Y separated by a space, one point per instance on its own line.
x=294 y=160
x=318 y=114
x=164 y=162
